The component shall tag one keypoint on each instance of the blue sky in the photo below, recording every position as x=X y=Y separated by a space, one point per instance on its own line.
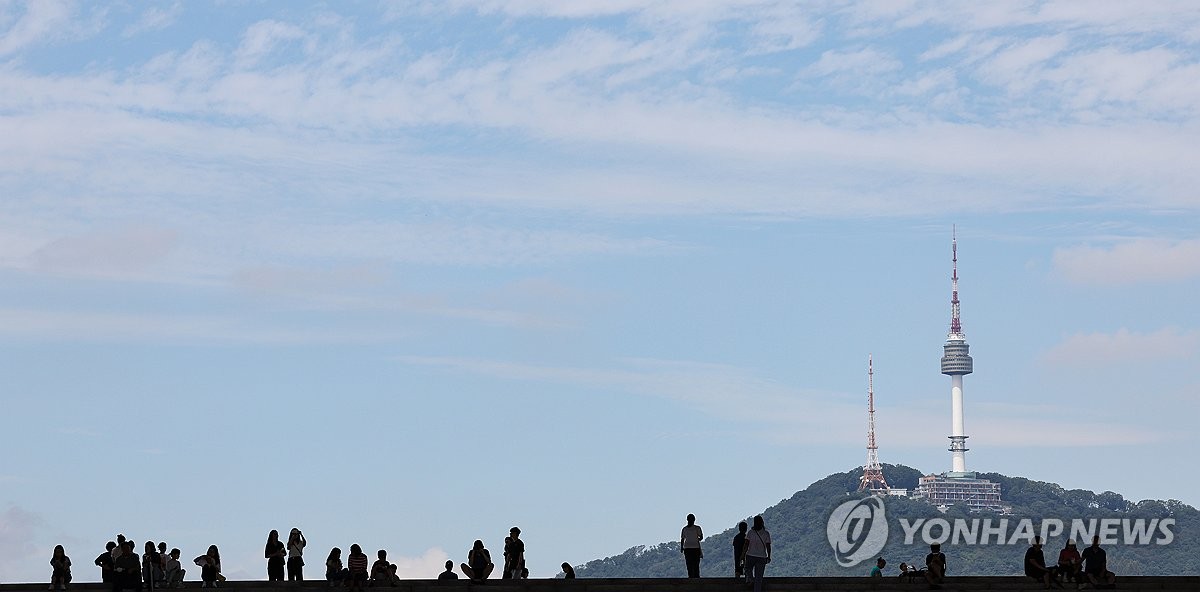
x=409 y=273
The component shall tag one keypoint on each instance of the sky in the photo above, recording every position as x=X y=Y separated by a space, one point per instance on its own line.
x=407 y=274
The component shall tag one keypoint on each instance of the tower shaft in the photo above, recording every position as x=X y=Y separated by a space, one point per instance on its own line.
x=956 y=363
x=872 y=471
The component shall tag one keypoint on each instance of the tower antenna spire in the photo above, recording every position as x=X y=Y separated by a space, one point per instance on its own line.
x=955 y=320
x=872 y=478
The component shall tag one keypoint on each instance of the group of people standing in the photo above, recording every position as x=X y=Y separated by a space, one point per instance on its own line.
x=121 y=566
x=751 y=550
x=291 y=554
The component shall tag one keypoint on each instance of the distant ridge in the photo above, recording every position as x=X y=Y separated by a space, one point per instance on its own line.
x=801 y=548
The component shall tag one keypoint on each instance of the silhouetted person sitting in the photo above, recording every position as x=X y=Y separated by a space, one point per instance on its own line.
x=60 y=577
x=210 y=567
x=910 y=573
x=379 y=569
x=1070 y=564
x=356 y=564
x=1095 y=565
x=1035 y=564
x=128 y=569
x=877 y=571
x=479 y=563
x=335 y=574
x=935 y=566
x=151 y=564
x=449 y=573
x=568 y=571
x=174 y=572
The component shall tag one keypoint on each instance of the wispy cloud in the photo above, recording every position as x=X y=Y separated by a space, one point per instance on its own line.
x=154 y=18
x=1130 y=262
x=179 y=329
x=39 y=23
x=723 y=391
x=131 y=250
x=1106 y=350
x=794 y=415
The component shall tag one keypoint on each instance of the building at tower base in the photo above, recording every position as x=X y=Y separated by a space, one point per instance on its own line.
x=948 y=489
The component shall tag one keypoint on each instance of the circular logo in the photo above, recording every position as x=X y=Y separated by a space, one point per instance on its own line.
x=857 y=530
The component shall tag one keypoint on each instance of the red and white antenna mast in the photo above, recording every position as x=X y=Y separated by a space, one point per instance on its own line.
x=955 y=322
x=872 y=478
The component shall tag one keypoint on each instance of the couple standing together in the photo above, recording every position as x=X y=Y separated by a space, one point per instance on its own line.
x=751 y=550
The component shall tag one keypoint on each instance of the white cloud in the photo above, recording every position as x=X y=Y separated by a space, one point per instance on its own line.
x=424 y=567
x=42 y=21
x=1106 y=350
x=1129 y=262
x=18 y=541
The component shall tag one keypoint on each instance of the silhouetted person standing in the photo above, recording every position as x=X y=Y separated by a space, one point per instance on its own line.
x=276 y=554
x=739 y=549
x=514 y=554
x=758 y=551
x=295 y=551
x=105 y=562
x=689 y=545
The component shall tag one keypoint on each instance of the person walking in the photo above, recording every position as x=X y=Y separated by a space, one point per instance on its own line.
x=689 y=545
x=758 y=552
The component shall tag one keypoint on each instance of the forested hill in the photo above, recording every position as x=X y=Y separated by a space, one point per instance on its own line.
x=801 y=547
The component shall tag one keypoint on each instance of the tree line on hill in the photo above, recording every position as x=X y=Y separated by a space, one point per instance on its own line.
x=801 y=548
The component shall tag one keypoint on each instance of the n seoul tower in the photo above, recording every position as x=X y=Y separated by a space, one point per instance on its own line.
x=956 y=363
